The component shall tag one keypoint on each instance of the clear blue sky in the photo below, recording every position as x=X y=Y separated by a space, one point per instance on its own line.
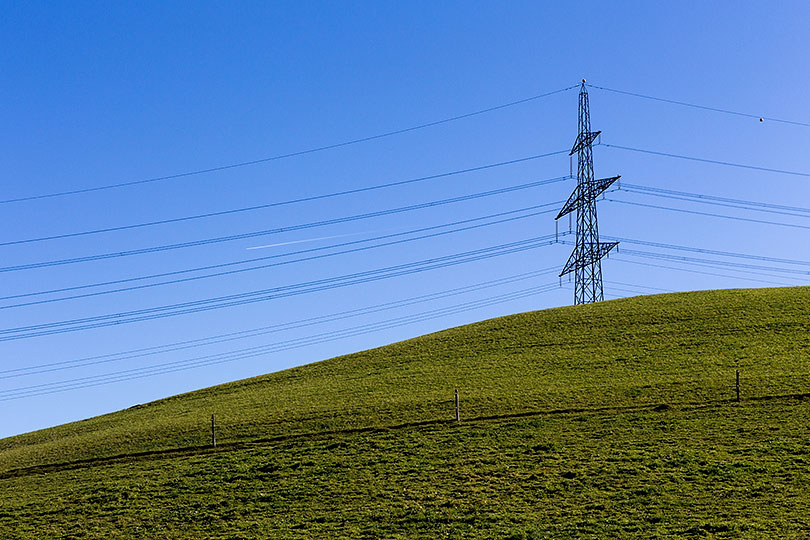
x=102 y=93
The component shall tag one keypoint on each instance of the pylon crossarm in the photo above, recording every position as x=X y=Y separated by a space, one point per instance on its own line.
x=590 y=255
x=571 y=205
x=571 y=265
x=601 y=250
x=583 y=140
x=599 y=186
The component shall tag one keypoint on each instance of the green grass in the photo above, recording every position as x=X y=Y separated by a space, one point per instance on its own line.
x=612 y=420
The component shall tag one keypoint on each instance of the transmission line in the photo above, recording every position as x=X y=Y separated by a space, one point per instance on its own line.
x=704 y=160
x=272 y=293
x=725 y=202
x=670 y=267
x=182 y=365
x=264 y=330
x=730 y=264
x=706 y=251
x=612 y=287
x=746 y=273
x=291 y=253
x=290 y=261
x=710 y=262
x=710 y=214
x=284 y=156
x=647 y=287
x=703 y=107
x=278 y=230
x=279 y=203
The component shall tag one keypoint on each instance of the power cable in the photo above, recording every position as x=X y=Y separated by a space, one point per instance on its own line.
x=287 y=254
x=667 y=256
x=710 y=214
x=278 y=230
x=703 y=160
x=752 y=208
x=280 y=203
x=707 y=251
x=748 y=272
x=273 y=293
x=669 y=267
x=284 y=156
x=264 y=348
x=264 y=330
x=730 y=264
x=711 y=198
x=85 y=382
x=293 y=261
x=703 y=107
x=636 y=285
x=611 y=287
x=291 y=290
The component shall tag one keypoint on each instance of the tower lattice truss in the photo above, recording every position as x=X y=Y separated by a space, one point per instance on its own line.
x=585 y=261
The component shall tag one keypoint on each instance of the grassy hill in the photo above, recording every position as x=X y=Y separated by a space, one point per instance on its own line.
x=611 y=420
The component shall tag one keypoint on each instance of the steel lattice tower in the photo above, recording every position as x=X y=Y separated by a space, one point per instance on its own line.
x=585 y=261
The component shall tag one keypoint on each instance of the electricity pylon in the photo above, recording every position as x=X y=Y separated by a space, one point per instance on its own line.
x=585 y=261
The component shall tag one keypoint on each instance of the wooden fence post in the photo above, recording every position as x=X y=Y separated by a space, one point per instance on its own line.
x=738 y=386
x=458 y=409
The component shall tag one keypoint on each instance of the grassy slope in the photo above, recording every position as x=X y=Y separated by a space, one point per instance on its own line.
x=702 y=467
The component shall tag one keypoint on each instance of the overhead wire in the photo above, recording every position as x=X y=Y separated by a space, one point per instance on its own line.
x=308 y=286
x=730 y=264
x=208 y=360
x=713 y=201
x=279 y=203
x=691 y=270
x=703 y=107
x=749 y=272
x=285 y=155
x=220 y=302
x=704 y=160
x=647 y=287
x=264 y=330
x=709 y=214
x=649 y=190
x=456 y=229
x=291 y=253
x=707 y=251
x=278 y=230
x=610 y=287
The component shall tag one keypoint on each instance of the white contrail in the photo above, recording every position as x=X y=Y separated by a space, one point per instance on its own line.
x=306 y=240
